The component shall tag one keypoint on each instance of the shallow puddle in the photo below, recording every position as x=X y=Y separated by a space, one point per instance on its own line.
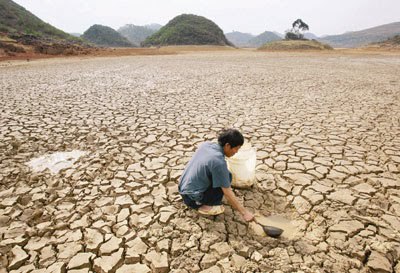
x=289 y=230
x=55 y=162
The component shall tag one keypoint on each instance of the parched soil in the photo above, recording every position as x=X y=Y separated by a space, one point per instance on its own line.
x=16 y=51
x=327 y=132
x=31 y=54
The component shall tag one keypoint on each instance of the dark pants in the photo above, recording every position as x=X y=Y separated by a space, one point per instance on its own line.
x=211 y=197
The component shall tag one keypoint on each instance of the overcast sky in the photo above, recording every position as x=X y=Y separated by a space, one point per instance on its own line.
x=325 y=17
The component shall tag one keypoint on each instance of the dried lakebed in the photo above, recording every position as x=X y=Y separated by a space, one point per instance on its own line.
x=326 y=129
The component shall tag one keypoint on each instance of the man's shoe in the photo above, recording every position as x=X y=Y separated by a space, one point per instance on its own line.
x=215 y=210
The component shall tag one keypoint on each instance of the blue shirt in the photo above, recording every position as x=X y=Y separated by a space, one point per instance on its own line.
x=206 y=169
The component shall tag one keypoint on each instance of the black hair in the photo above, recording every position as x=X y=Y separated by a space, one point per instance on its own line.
x=231 y=136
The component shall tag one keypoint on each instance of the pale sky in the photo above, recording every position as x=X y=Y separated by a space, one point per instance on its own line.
x=325 y=17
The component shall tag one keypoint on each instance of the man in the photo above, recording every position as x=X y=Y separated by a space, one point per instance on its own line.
x=206 y=178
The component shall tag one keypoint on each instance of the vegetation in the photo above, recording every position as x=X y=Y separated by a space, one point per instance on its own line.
x=296 y=33
x=16 y=20
x=295 y=45
x=105 y=36
x=363 y=37
x=188 y=29
x=24 y=33
x=136 y=34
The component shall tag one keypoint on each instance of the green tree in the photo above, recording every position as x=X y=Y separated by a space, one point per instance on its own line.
x=295 y=33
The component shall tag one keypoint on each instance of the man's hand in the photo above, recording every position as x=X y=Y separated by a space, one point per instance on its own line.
x=230 y=196
x=248 y=216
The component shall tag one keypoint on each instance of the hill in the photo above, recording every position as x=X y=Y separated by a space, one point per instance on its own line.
x=155 y=27
x=136 y=34
x=15 y=20
x=288 y=45
x=105 y=36
x=363 y=37
x=239 y=39
x=310 y=36
x=23 y=35
x=188 y=29
x=263 y=38
x=391 y=43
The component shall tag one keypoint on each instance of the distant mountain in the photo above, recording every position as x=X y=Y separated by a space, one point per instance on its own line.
x=155 y=27
x=310 y=36
x=363 y=37
x=136 y=34
x=105 y=36
x=279 y=34
x=263 y=38
x=188 y=29
x=76 y=34
x=16 y=20
x=239 y=39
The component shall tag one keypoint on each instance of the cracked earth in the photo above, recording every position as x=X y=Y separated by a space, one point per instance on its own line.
x=327 y=132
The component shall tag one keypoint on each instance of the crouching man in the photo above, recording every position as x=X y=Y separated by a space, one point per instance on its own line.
x=206 y=178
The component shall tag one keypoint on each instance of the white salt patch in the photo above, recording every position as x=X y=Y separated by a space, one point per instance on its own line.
x=55 y=162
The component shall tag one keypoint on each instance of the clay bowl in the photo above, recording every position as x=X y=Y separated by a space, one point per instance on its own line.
x=272 y=231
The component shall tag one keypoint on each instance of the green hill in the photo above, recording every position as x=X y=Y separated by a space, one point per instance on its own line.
x=263 y=38
x=16 y=20
x=290 y=45
x=105 y=36
x=363 y=37
x=188 y=29
x=136 y=34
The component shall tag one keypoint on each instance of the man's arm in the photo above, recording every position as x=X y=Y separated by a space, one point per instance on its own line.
x=230 y=196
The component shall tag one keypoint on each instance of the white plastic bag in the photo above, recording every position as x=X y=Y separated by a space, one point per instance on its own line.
x=243 y=167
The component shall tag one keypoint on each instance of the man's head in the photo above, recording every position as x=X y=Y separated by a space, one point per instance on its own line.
x=230 y=140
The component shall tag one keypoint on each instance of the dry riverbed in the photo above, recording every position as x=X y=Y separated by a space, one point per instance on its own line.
x=327 y=132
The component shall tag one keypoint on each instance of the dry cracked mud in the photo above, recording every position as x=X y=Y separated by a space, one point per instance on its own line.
x=327 y=132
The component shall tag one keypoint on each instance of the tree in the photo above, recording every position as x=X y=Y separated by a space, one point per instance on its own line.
x=295 y=33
